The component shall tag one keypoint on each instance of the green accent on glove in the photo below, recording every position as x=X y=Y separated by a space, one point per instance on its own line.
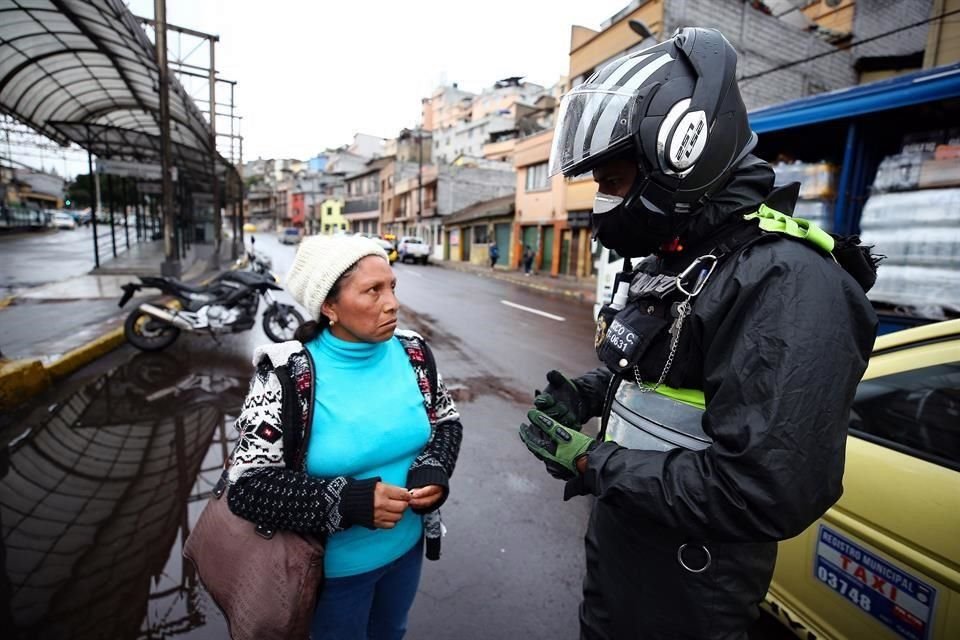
x=551 y=441
x=557 y=410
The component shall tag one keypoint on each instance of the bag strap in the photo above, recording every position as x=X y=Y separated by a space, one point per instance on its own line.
x=292 y=437
x=411 y=347
x=431 y=372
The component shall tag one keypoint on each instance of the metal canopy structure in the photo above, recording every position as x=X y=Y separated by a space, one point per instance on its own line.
x=84 y=71
x=126 y=144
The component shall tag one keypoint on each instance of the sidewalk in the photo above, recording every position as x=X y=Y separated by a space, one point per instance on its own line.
x=582 y=289
x=51 y=330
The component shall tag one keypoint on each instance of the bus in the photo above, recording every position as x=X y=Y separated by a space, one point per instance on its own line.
x=880 y=160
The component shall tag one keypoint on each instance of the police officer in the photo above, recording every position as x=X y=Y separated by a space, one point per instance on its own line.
x=731 y=351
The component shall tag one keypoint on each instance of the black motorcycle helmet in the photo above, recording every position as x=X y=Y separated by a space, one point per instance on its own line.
x=675 y=106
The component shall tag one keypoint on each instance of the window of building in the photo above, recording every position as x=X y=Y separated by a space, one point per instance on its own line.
x=329 y=211
x=480 y=235
x=326 y=228
x=913 y=411
x=537 y=178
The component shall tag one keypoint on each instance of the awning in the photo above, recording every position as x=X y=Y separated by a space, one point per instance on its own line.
x=939 y=83
x=497 y=207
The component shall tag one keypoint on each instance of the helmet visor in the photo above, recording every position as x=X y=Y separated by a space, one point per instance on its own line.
x=591 y=120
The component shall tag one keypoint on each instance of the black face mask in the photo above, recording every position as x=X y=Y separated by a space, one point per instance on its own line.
x=633 y=231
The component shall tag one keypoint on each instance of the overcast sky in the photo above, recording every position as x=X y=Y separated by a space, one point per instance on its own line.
x=312 y=73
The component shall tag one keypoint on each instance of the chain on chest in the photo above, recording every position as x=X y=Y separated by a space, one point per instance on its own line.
x=651 y=323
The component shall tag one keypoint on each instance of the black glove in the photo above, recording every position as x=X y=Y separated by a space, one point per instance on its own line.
x=560 y=400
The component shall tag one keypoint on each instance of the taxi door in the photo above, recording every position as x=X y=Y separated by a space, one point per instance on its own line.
x=884 y=562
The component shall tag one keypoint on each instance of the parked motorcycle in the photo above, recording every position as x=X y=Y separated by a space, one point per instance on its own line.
x=228 y=304
x=255 y=261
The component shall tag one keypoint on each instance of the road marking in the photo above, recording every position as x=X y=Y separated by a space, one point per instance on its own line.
x=407 y=272
x=536 y=311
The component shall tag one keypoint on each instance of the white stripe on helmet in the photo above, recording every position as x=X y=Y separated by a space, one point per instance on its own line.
x=592 y=103
x=608 y=119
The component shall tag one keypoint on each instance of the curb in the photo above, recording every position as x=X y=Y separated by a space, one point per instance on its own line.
x=73 y=360
x=21 y=380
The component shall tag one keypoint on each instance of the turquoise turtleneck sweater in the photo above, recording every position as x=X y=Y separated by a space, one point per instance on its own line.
x=368 y=421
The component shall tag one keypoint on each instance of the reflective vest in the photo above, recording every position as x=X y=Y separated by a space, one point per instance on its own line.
x=657 y=420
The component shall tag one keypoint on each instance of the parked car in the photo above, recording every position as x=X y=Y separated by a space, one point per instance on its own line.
x=884 y=562
x=289 y=235
x=82 y=216
x=389 y=248
x=413 y=249
x=62 y=220
x=249 y=227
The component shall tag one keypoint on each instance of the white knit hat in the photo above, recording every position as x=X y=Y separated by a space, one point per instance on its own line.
x=320 y=260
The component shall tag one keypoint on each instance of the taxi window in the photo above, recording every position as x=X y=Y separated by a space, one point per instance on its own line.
x=915 y=411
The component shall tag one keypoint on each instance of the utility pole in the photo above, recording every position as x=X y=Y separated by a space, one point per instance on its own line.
x=243 y=187
x=171 y=262
x=416 y=221
x=238 y=169
x=217 y=221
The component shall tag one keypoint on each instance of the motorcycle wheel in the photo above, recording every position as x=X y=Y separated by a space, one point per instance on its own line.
x=281 y=322
x=147 y=333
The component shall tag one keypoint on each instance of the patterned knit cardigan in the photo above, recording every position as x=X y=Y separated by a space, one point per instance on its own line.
x=268 y=481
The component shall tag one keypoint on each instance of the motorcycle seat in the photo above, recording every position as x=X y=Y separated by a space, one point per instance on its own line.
x=191 y=288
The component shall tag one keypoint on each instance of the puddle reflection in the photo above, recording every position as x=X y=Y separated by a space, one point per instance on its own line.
x=97 y=498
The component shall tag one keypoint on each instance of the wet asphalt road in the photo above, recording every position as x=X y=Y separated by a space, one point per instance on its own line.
x=32 y=259
x=101 y=479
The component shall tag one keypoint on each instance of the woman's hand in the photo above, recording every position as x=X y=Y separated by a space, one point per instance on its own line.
x=389 y=503
x=425 y=497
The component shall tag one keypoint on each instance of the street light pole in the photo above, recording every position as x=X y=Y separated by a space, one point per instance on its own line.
x=94 y=207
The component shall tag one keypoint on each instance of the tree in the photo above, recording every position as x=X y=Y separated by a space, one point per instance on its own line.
x=81 y=192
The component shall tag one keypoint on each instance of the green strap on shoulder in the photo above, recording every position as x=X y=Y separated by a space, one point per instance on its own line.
x=776 y=222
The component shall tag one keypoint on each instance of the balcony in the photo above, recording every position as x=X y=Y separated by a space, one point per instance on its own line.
x=362 y=204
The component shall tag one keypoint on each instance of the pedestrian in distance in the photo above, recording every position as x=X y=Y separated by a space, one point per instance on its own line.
x=380 y=445
x=494 y=252
x=731 y=352
x=528 y=256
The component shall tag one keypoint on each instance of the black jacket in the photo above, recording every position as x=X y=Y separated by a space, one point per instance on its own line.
x=778 y=341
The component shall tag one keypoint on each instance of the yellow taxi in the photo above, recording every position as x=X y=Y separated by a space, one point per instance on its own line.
x=884 y=562
x=249 y=227
x=389 y=248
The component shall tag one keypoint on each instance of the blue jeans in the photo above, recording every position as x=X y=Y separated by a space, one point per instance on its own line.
x=369 y=606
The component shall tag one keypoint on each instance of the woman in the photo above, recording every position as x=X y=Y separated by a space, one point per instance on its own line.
x=381 y=438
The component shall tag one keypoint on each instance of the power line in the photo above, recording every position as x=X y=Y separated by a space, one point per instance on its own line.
x=856 y=43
